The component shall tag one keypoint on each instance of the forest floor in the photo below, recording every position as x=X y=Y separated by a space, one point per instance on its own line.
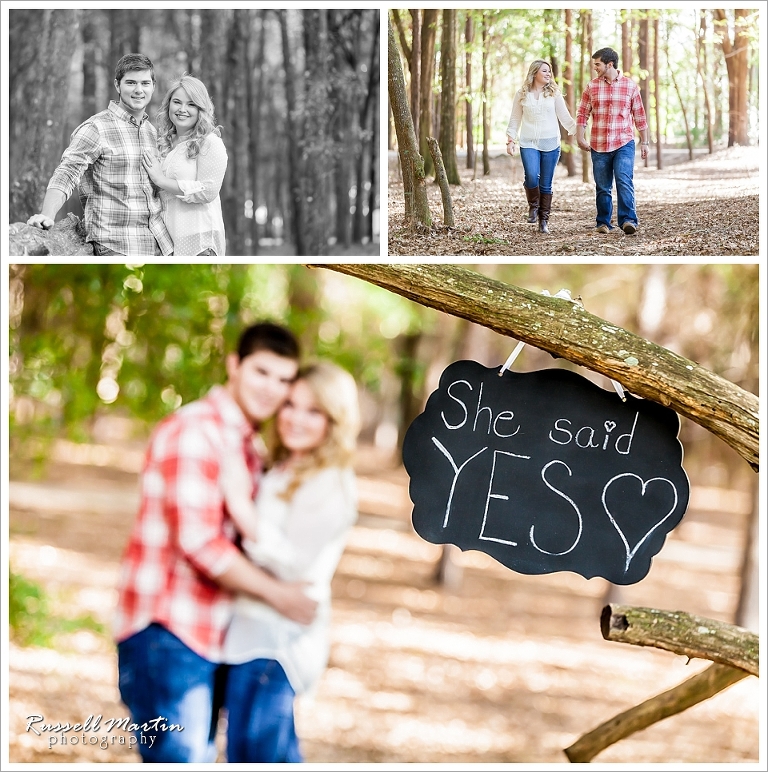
x=501 y=667
x=707 y=206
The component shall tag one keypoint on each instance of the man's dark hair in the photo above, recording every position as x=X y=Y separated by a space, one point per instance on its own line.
x=266 y=336
x=131 y=63
x=606 y=55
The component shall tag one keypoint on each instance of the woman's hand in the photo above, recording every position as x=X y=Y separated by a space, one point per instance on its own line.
x=511 y=147
x=152 y=164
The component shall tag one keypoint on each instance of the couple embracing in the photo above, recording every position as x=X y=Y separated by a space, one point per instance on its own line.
x=613 y=101
x=145 y=191
x=225 y=585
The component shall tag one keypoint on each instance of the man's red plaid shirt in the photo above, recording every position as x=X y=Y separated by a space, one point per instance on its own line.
x=182 y=538
x=613 y=107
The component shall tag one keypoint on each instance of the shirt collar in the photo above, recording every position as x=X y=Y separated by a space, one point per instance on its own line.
x=230 y=411
x=117 y=109
x=605 y=80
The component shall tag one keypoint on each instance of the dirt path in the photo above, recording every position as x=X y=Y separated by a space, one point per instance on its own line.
x=505 y=668
x=708 y=206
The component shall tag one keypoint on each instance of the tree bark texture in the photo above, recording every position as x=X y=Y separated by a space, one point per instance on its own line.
x=427 y=71
x=642 y=59
x=415 y=67
x=682 y=633
x=469 y=29
x=696 y=689
x=447 y=137
x=55 y=34
x=737 y=63
x=569 y=158
x=565 y=329
x=411 y=163
x=485 y=98
x=442 y=181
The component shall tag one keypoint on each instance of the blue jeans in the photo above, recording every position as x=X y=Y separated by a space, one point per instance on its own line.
x=260 y=726
x=161 y=676
x=539 y=167
x=619 y=165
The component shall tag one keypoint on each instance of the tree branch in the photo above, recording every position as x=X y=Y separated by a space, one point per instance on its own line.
x=696 y=689
x=682 y=633
x=401 y=37
x=565 y=329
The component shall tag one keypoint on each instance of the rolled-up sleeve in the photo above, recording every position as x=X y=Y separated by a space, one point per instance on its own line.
x=585 y=108
x=211 y=168
x=84 y=149
x=638 y=111
x=194 y=503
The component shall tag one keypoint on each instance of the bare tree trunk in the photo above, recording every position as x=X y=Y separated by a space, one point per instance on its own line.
x=294 y=141
x=412 y=164
x=442 y=180
x=415 y=67
x=486 y=97
x=255 y=83
x=469 y=34
x=39 y=148
x=626 y=41
x=447 y=136
x=748 y=608
x=736 y=55
x=701 y=68
x=569 y=158
x=428 y=35
x=657 y=94
x=586 y=52
x=642 y=58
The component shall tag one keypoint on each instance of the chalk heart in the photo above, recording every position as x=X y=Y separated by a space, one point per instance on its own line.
x=630 y=553
x=609 y=426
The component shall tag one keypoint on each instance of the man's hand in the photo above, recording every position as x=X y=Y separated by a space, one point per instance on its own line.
x=643 y=151
x=40 y=221
x=290 y=601
x=584 y=145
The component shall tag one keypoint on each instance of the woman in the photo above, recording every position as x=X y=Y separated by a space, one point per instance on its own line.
x=305 y=506
x=536 y=109
x=190 y=169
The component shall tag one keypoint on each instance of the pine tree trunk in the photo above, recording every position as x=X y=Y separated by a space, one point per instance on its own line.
x=568 y=87
x=39 y=139
x=469 y=34
x=412 y=164
x=427 y=70
x=447 y=136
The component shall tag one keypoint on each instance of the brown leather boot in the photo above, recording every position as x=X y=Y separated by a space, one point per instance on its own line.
x=545 y=207
x=532 y=194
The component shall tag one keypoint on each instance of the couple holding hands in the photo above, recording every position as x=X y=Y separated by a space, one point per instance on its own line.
x=613 y=101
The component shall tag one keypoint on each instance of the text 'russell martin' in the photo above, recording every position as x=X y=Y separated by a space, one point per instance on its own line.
x=86 y=733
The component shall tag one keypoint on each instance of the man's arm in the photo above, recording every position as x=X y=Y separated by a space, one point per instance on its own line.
x=54 y=200
x=582 y=115
x=287 y=598
x=83 y=150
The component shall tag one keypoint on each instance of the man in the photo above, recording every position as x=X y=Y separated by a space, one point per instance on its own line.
x=613 y=100
x=123 y=213
x=182 y=567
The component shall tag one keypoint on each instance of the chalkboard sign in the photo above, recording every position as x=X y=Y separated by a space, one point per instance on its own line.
x=545 y=471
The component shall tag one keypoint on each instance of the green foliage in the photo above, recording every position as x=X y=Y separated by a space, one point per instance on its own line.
x=140 y=340
x=30 y=619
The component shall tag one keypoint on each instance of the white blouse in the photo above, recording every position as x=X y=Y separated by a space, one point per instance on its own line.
x=194 y=219
x=301 y=539
x=536 y=118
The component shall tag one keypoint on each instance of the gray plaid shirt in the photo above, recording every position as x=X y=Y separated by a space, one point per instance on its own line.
x=122 y=210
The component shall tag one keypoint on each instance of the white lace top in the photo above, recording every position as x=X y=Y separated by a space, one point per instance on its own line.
x=536 y=119
x=194 y=219
x=300 y=539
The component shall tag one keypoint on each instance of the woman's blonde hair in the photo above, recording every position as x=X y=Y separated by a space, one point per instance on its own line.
x=206 y=119
x=550 y=90
x=336 y=393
